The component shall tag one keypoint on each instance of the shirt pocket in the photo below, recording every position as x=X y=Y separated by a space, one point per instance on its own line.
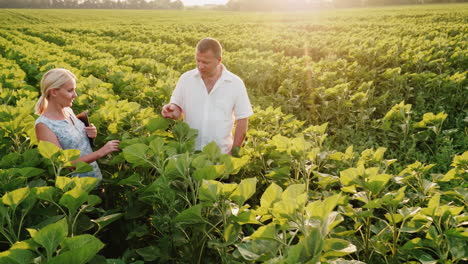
x=222 y=110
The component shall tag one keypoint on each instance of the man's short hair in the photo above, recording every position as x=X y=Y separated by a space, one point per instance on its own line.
x=212 y=44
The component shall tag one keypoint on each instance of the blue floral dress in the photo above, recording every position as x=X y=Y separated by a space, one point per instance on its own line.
x=72 y=136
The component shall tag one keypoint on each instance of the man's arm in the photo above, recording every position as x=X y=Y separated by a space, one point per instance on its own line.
x=240 y=131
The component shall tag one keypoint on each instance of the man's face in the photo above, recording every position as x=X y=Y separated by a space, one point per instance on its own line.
x=207 y=63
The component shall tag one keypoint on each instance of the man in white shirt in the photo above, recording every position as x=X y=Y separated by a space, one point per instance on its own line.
x=212 y=100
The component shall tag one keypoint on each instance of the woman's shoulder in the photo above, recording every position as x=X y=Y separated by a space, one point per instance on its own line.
x=41 y=119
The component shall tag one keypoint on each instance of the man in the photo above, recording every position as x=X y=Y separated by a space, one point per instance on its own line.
x=211 y=99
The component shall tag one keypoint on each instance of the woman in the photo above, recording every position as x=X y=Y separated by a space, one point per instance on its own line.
x=58 y=124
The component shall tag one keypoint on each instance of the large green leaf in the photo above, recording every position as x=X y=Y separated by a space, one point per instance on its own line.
x=86 y=183
x=47 y=149
x=244 y=191
x=78 y=250
x=349 y=176
x=271 y=195
x=293 y=191
x=16 y=256
x=136 y=154
x=158 y=123
x=210 y=191
x=81 y=167
x=335 y=247
x=191 y=215
x=265 y=232
x=322 y=209
x=16 y=197
x=74 y=199
x=150 y=253
x=106 y=220
x=46 y=193
x=377 y=182
x=308 y=250
x=206 y=173
x=30 y=171
x=51 y=236
x=69 y=155
x=212 y=150
x=64 y=183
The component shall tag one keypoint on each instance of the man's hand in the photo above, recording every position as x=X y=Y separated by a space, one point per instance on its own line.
x=171 y=111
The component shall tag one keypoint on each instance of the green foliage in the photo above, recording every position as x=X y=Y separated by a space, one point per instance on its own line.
x=362 y=158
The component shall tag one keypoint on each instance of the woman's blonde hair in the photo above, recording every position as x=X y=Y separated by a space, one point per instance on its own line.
x=52 y=79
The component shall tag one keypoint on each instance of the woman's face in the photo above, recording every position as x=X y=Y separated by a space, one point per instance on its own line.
x=65 y=95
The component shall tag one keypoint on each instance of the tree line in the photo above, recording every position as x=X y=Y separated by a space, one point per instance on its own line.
x=102 y=4
x=282 y=5
x=234 y=5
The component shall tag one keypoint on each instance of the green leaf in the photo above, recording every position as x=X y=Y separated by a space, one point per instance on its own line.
x=182 y=132
x=308 y=250
x=322 y=209
x=212 y=150
x=157 y=146
x=231 y=233
x=244 y=191
x=191 y=215
x=81 y=249
x=150 y=253
x=69 y=155
x=335 y=247
x=30 y=171
x=423 y=257
x=47 y=149
x=26 y=244
x=46 y=193
x=201 y=161
x=74 y=199
x=94 y=200
x=264 y=232
x=412 y=244
x=257 y=249
x=158 y=123
x=106 y=220
x=271 y=195
x=16 y=256
x=293 y=191
x=16 y=197
x=377 y=182
x=246 y=217
x=81 y=167
x=394 y=198
x=133 y=180
x=51 y=236
x=136 y=154
x=86 y=183
x=432 y=206
x=349 y=176
x=206 y=173
x=210 y=191
x=64 y=183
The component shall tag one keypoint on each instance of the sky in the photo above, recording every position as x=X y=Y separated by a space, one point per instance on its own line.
x=203 y=2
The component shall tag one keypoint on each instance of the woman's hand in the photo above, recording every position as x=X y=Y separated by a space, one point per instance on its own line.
x=109 y=147
x=91 y=131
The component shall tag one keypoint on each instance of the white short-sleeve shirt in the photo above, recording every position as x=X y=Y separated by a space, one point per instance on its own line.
x=212 y=114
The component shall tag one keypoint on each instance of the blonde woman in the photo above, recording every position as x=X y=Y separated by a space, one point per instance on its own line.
x=58 y=124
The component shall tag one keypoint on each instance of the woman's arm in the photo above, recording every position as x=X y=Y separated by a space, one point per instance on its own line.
x=45 y=134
